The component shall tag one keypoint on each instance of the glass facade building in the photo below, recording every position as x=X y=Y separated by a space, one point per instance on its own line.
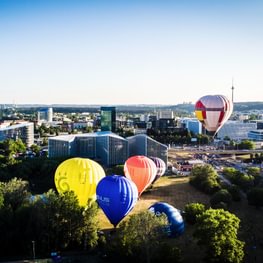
x=107 y=148
x=108 y=119
x=142 y=144
x=236 y=130
x=256 y=135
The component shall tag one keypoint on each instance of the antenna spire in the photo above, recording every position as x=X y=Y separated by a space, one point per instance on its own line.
x=232 y=88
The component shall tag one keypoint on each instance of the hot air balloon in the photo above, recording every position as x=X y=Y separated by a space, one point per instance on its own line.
x=161 y=167
x=141 y=170
x=175 y=220
x=213 y=111
x=116 y=196
x=80 y=175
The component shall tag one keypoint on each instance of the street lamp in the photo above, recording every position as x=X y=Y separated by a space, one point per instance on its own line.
x=33 y=249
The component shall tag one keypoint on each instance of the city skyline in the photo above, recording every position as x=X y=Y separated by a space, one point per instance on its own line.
x=129 y=52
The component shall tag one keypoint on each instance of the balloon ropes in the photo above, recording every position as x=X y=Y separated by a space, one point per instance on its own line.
x=161 y=167
x=116 y=196
x=141 y=170
x=176 y=223
x=213 y=111
x=80 y=175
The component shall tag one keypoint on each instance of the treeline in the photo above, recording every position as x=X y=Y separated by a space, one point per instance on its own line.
x=52 y=222
x=182 y=136
x=250 y=183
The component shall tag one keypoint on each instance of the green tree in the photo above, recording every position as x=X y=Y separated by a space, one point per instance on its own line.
x=246 y=144
x=15 y=193
x=1 y=199
x=54 y=222
x=216 y=231
x=222 y=196
x=229 y=172
x=205 y=178
x=234 y=190
x=255 y=172
x=139 y=238
x=67 y=222
x=192 y=211
x=35 y=148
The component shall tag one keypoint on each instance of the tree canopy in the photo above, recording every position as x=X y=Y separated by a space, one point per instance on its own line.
x=205 y=178
x=141 y=238
x=217 y=232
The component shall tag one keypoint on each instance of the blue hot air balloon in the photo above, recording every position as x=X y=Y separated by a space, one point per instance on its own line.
x=176 y=223
x=116 y=196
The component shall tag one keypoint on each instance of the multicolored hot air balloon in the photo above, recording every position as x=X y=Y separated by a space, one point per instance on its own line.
x=80 y=175
x=161 y=167
x=116 y=196
x=175 y=220
x=141 y=170
x=213 y=111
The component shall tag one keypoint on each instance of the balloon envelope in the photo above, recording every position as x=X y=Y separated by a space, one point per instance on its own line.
x=161 y=167
x=213 y=111
x=176 y=223
x=80 y=175
x=141 y=170
x=116 y=196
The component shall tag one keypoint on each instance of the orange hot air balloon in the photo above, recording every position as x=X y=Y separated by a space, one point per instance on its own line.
x=141 y=170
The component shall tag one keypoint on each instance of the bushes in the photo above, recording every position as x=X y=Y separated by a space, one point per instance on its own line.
x=192 y=211
x=221 y=199
x=205 y=178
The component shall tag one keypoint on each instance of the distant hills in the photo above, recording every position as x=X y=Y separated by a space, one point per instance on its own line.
x=136 y=108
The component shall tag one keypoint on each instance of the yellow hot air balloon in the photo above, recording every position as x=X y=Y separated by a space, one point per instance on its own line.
x=80 y=175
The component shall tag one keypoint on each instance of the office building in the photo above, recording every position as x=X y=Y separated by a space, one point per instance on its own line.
x=255 y=135
x=165 y=114
x=192 y=125
x=23 y=131
x=236 y=130
x=45 y=115
x=108 y=119
x=142 y=144
x=105 y=147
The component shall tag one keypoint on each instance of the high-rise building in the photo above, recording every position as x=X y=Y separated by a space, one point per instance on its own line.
x=45 y=115
x=108 y=119
x=23 y=131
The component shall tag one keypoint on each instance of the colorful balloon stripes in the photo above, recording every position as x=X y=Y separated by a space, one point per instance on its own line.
x=161 y=167
x=141 y=170
x=116 y=195
x=213 y=111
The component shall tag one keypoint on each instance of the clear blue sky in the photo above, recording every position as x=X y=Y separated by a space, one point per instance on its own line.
x=129 y=52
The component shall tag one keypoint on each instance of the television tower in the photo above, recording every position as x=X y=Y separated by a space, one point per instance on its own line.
x=232 y=90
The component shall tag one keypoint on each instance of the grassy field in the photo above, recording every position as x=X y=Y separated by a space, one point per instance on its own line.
x=178 y=192
x=175 y=191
